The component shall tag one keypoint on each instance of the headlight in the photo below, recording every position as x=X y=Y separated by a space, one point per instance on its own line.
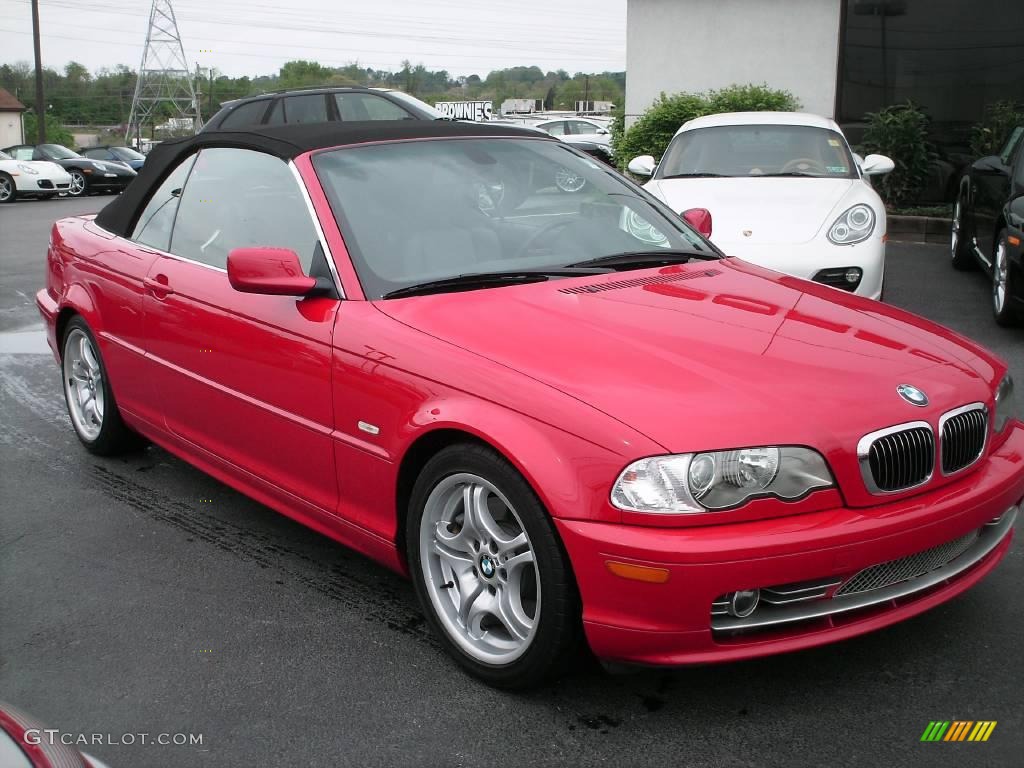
x=99 y=166
x=1006 y=404
x=692 y=483
x=28 y=169
x=855 y=225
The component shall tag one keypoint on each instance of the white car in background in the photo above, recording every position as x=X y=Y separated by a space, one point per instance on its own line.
x=577 y=128
x=784 y=191
x=30 y=178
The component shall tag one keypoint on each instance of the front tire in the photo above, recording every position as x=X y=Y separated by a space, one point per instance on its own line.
x=489 y=570
x=7 y=189
x=79 y=184
x=960 y=246
x=90 y=400
x=1002 y=284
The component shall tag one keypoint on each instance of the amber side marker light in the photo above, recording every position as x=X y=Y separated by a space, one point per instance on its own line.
x=638 y=572
x=1012 y=240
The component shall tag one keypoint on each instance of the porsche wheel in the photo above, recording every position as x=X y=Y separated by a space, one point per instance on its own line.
x=7 y=190
x=489 y=570
x=1002 y=287
x=90 y=400
x=79 y=184
x=960 y=245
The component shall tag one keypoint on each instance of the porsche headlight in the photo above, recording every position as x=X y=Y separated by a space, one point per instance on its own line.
x=853 y=226
x=1006 y=404
x=98 y=166
x=28 y=169
x=692 y=483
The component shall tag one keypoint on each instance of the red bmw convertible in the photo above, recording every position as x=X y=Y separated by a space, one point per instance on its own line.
x=564 y=415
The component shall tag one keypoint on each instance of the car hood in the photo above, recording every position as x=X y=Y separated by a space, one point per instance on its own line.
x=771 y=210
x=714 y=354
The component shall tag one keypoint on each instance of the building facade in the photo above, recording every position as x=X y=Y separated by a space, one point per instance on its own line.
x=12 y=128
x=841 y=58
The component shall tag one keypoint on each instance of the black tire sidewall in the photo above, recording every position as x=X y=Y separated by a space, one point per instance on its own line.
x=963 y=259
x=557 y=633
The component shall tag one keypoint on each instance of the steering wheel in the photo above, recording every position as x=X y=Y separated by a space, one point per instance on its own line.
x=803 y=164
x=541 y=233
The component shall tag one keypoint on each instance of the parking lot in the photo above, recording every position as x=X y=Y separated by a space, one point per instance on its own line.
x=138 y=595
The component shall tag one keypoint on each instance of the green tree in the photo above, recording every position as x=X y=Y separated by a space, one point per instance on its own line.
x=55 y=132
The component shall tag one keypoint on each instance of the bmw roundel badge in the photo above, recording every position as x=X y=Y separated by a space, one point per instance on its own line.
x=912 y=395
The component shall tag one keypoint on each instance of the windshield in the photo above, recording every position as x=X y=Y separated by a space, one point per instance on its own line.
x=758 y=150
x=420 y=211
x=405 y=98
x=126 y=153
x=57 y=152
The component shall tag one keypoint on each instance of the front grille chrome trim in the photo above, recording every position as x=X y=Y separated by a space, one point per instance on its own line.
x=942 y=436
x=989 y=537
x=864 y=455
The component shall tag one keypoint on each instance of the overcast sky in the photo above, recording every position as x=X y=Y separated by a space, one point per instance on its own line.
x=253 y=38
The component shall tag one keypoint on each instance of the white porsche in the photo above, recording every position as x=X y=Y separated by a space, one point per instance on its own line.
x=784 y=191
x=30 y=178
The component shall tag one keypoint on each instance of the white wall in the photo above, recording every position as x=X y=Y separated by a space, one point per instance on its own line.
x=696 y=45
x=10 y=129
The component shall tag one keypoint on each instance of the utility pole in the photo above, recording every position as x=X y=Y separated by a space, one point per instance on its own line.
x=210 y=105
x=40 y=99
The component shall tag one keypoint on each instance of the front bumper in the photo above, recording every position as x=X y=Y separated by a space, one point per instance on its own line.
x=807 y=259
x=106 y=181
x=670 y=623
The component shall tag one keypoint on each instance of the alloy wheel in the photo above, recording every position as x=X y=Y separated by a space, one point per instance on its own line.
x=955 y=238
x=83 y=385
x=568 y=181
x=6 y=189
x=479 y=569
x=77 y=183
x=1000 y=277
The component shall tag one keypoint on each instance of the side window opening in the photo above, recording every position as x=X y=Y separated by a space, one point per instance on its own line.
x=245 y=115
x=238 y=198
x=153 y=227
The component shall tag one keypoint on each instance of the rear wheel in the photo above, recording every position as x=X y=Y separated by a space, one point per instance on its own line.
x=90 y=400
x=960 y=245
x=489 y=570
x=7 y=189
x=1002 y=284
x=79 y=184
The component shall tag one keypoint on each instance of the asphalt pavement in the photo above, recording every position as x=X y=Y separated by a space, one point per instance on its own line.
x=137 y=595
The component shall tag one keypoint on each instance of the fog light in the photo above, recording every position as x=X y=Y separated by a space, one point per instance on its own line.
x=853 y=275
x=743 y=602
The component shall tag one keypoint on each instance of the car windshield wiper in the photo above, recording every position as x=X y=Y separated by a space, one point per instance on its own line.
x=473 y=281
x=787 y=173
x=647 y=258
x=697 y=175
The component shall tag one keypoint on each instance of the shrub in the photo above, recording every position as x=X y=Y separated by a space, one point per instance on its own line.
x=55 y=132
x=652 y=132
x=1001 y=117
x=900 y=132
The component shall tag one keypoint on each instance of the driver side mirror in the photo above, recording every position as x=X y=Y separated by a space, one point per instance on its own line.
x=642 y=166
x=876 y=165
x=989 y=164
x=602 y=131
x=699 y=219
x=269 y=271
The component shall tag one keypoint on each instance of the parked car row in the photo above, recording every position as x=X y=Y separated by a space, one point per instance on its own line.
x=85 y=174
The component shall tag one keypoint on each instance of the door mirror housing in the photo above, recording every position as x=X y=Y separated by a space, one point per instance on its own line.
x=270 y=271
x=642 y=166
x=699 y=219
x=990 y=164
x=602 y=131
x=876 y=165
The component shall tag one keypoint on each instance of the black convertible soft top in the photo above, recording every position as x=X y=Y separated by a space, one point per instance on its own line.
x=286 y=142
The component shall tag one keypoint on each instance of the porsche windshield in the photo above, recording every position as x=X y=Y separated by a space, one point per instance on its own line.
x=758 y=150
x=419 y=211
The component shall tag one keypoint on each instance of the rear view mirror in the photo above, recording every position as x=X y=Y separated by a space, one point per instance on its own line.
x=699 y=219
x=270 y=271
x=642 y=166
x=876 y=165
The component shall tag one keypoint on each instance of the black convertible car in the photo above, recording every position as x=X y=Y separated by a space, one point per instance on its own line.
x=87 y=175
x=988 y=225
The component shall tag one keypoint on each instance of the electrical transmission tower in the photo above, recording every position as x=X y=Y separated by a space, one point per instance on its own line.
x=164 y=87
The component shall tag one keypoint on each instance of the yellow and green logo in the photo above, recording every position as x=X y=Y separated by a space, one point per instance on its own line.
x=958 y=730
